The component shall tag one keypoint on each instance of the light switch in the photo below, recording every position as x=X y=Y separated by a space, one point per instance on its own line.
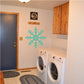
x=21 y=38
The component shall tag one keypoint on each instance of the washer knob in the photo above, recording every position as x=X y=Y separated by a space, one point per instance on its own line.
x=41 y=52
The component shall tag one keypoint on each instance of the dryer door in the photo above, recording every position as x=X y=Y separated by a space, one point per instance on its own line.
x=53 y=72
x=40 y=64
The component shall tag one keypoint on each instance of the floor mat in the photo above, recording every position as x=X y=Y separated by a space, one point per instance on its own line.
x=10 y=74
x=30 y=79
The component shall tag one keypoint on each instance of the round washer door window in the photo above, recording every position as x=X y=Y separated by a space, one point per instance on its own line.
x=53 y=71
x=40 y=63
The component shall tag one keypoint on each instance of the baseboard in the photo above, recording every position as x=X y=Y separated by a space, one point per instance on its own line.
x=27 y=68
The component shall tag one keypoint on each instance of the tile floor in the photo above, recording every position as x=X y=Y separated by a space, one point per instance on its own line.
x=16 y=80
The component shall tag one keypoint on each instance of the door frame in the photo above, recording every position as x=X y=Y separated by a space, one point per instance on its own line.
x=17 y=33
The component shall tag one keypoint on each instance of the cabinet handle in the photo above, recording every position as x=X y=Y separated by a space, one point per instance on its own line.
x=60 y=30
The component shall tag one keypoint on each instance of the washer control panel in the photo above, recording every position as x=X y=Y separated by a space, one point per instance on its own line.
x=42 y=52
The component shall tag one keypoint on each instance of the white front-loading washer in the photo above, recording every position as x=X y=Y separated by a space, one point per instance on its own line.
x=42 y=60
x=56 y=69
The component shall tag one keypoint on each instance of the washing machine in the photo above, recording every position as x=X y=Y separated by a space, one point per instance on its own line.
x=56 y=68
x=42 y=60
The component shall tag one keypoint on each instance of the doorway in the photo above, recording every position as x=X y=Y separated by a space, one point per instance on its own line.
x=9 y=40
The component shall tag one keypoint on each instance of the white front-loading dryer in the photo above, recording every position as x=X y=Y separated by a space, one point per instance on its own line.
x=56 y=69
x=42 y=60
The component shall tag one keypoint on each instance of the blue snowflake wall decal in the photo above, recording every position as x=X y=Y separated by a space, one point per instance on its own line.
x=35 y=37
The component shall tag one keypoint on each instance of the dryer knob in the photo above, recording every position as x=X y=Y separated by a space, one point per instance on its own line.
x=60 y=58
x=53 y=57
x=45 y=66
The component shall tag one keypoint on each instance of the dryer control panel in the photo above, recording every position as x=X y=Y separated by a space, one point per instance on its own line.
x=60 y=59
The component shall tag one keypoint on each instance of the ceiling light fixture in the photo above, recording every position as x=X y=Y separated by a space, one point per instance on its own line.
x=24 y=1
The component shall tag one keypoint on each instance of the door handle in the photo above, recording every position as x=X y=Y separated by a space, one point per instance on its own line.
x=14 y=42
x=15 y=46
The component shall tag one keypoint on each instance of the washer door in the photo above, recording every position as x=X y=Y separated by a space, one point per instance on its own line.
x=40 y=64
x=53 y=72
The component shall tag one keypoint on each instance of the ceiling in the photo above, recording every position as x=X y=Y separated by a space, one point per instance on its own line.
x=42 y=4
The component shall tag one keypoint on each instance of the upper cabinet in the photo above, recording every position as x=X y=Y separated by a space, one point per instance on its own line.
x=57 y=20
x=60 y=19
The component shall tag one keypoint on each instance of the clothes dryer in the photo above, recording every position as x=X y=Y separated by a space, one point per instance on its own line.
x=56 y=69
